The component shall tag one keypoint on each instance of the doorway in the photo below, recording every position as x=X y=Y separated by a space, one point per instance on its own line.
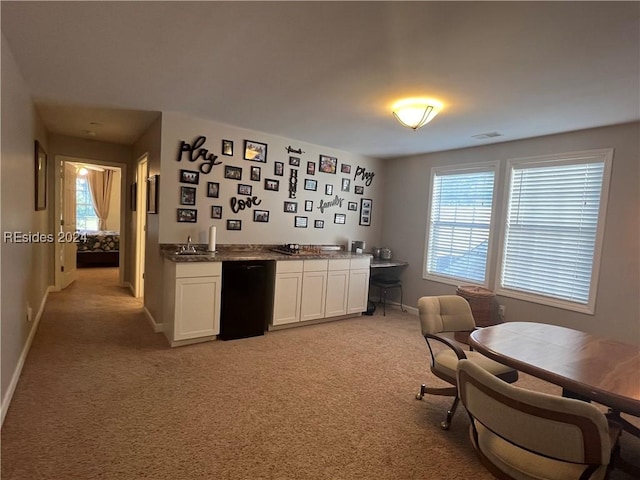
x=142 y=172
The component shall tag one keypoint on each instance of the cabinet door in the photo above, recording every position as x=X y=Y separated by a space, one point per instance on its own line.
x=337 y=289
x=197 y=310
x=358 y=291
x=286 y=304
x=314 y=294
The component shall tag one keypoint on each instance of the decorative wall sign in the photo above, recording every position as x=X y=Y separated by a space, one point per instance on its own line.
x=187 y=196
x=318 y=224
x=278 y=169
x=195 y=152
x=336 y=202
x=358 y=190
x=189 y=176
x=227 y=147
x=255 y=174
x=328 y=189
x=152 y=193
x=353 y=206
x=294 y=161
x=301 y=222
x=366 y=206
x=213 y=189
x=234 y=224
x=311 y=184
x=244 y=189
x=346 y=183
x=188 y=215
x=290 y=207
x=340 y=218
x=271 y=184
x=261 y=216
x=344 y=168
x=40 y=158
x=255 y=151
x=290 y=149
x=293 y=183
x=328 y=164
x=308 y=205
x=239 y=204
x=366 y=176
x=235 y=173
x=216 y=211
x=311 y=168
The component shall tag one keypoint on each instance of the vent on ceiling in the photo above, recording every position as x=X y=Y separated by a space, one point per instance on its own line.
x=482 y=136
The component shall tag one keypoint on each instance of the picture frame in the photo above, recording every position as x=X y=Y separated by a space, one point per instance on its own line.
x=366 y=208
x=310 y=184
x=261 y=216
x=187 y=215
x=318 y=224
x=152 y=193
x=255 y=174
x=308 y=205
x=346 y=185
x=301 y=222
x=255 y=151
x=244 y=189
x=358 y=190
x=227 y=148
x=328 y=189
x=311 y=168
x=294 y=161
x=278 y=169
x=344 y=168
x=40 y=165
x=134 y=196
x=187 y=195
x=353 y=206
x=271 y=184
x=213 y=189
x=290 y=207
x=189 y=176
x=234 y=173
x=340 y=218
x=328 y=164
x=233 y=224
x=216 y=211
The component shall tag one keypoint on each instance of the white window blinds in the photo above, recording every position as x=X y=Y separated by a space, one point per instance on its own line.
x=551 y=228
x=459 y=224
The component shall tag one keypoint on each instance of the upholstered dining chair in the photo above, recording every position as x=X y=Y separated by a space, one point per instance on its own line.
x=523 y=435
x=447 y=314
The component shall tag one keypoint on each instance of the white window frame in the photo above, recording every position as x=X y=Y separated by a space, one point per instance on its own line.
x=606 y=155
x=90 y=198
x=493 y=166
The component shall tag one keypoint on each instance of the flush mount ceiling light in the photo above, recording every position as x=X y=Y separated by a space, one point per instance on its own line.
x=416 y=112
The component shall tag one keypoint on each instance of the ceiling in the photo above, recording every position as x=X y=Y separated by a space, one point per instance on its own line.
x=327 y=72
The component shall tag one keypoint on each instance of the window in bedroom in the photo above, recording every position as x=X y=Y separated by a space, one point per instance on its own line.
x=86 y=218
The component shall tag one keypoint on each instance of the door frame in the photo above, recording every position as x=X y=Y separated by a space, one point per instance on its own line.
x=141 y=175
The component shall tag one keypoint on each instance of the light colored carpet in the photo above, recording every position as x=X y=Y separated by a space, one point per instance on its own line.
x=103 y=397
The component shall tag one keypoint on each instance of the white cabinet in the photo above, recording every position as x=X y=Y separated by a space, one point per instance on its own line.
x=287 y=292
x=337 y=287
x=191 y=301
x=314 y=289
x=358 y=285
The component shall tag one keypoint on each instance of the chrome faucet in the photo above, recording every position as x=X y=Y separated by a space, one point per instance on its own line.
x=188 y=247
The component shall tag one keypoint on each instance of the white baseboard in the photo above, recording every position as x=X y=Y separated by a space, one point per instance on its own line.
x=131 y=289
x=157 y=327
x=6 y=401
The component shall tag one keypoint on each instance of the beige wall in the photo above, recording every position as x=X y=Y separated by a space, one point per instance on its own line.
x=617 y=312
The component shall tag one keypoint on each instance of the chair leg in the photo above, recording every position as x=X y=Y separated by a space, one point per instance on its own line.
x=447 y=423
x=422 y=391
x=383 y=293
x=401 y=300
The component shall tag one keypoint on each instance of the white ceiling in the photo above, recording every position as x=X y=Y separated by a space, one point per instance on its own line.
x=328 y=72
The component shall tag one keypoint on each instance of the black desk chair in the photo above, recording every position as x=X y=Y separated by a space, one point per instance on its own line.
x=384 y=284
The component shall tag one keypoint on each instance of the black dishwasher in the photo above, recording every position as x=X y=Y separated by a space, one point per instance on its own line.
x=245 y=301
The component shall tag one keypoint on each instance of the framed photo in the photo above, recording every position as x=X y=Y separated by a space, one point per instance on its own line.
x=152 y=193
x=340 y=218
x=227 y=147
x=310 y=184
x=216 y=211
x=255 y=151
x=358 y=190
x=308 y=205
x=40 y=158
x=235 y=173
x=328 y=164
x=244 y=189
x=134 y=196
x=234 y=224
x=346 y=184
x=278 y=168
x=291 y=207
x=261 y=216
x=318 y=224
x=311 y=168
x=344 y=168
x=294 y=161
x=366 y=205
x=353 y=206
x=271 y=184
x=188 y=215
x=213 y=189
x=301 y=222
x=255 y=174
x=187 y=195
x=328 y=189
x=189 y=176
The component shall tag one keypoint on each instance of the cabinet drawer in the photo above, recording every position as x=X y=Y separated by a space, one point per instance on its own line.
x=360 y=262
x=315 y=265
x=339 y=264
x=198 y=269
x=289 y=266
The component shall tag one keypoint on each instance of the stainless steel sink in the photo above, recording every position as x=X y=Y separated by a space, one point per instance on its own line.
x=190 y=252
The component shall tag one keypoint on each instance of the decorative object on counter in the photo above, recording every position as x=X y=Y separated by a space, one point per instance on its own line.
x=358 y=246
x=255 y=174
x=216 y=211
x=255 y=151
x=188 y=215
x=271 y=184
x=353 y=206
x=134 y=196
x=290 y=207
x=367 y=177
x=234 y=173
x=340 y=218
x=328 y=164
x=244 y=189
x=358 y=190
x=290 y=149
x=287 y=249
x=227 y=148
x=189 y=176
x=152 y=193
x=301 y=222
x=346 y=184
x=40 y=159
x=213 y=189
x=294 y=161
x=336 y=202
x=261 y=216
x=239 y=204
x=344 y=168
x=208 y=159
x=308 y=205
x=278 y=169
x=385 y=253
x=375 y=251
x=211 y=246
x=187 y=196
x=293 y=183
x=311 y=168
x=310 y=184
x=234 y=224
x=318 y=224
x=366 y=205
x=328 y=189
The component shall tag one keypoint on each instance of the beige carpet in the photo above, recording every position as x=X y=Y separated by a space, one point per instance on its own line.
x=103 y=397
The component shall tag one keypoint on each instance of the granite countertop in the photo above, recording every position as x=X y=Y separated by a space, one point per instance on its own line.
x=229 y=253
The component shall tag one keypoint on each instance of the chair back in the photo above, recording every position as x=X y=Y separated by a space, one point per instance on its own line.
x=536 y=423
x=445 y=313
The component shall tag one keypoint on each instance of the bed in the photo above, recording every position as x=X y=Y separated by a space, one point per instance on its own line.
x=98 y=249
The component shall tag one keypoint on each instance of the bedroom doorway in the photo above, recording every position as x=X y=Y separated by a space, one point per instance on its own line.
x=142 y=173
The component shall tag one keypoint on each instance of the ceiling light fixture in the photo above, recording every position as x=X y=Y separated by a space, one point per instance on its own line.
x=416 y=112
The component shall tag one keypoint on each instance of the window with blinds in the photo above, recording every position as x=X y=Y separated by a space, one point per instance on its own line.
x=460 y=223
x=554 y=215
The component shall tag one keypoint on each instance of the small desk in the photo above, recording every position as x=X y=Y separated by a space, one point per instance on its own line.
x=377 y=263
x=386 y=281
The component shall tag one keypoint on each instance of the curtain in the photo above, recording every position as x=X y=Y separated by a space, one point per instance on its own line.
x=100 y=186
